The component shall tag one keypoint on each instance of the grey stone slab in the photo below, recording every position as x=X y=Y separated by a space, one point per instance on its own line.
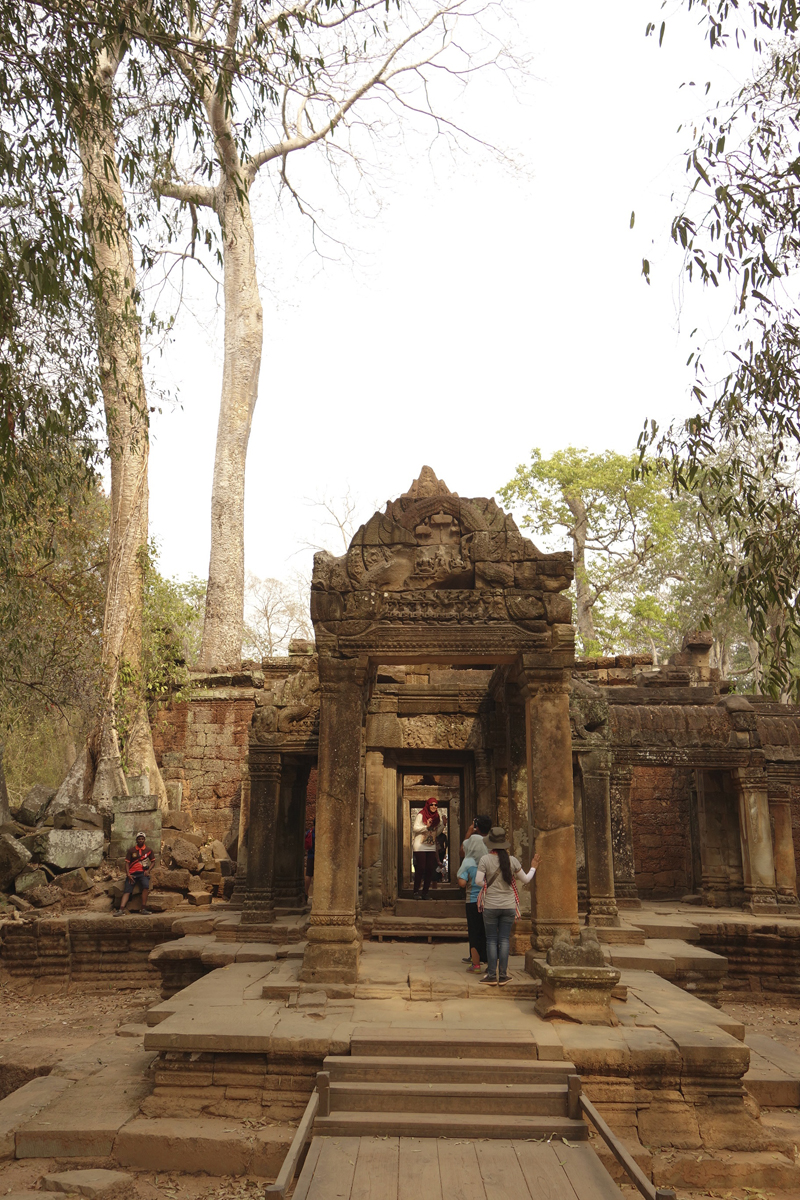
x=20 y=1106
x=67 y=849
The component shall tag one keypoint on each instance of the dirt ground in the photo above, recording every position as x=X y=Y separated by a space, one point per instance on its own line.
x=776 y=1021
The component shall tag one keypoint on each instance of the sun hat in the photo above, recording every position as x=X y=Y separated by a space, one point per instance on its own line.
x=495 y=839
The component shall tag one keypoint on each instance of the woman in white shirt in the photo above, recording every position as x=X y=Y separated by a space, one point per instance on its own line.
x=426 y=826
x=498 y=873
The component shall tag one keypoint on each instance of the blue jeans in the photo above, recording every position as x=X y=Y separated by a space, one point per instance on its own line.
x=498 y=923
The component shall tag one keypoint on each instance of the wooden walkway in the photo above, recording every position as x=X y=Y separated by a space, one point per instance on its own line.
x=392 y=1168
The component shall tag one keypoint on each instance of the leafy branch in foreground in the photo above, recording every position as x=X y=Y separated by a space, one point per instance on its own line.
x=739 y=229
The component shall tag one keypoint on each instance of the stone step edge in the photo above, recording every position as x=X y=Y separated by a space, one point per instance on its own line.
x=493 y=1066
x=489 y=1125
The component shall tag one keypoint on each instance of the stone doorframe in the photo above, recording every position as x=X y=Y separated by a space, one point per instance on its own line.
x=438 y=579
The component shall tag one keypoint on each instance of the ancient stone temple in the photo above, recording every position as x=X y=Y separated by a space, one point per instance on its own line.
x=448 y=584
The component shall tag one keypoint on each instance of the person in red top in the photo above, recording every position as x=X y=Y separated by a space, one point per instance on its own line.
x=138 y=862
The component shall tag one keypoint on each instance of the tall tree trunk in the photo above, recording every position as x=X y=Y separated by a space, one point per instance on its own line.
x=244 y=332
x=123 y=709
x=583 y=597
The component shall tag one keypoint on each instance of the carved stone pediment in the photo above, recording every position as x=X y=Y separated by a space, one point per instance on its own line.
x=434 y=559
x=290 y=709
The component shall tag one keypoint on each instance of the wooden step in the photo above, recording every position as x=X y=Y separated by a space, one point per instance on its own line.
x=364 y=1068
x=449 y=1125
x=532 y=1100
x=442 y=1043
x=452 y=907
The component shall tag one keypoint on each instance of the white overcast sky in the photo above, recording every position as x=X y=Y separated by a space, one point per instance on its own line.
x=484 y=314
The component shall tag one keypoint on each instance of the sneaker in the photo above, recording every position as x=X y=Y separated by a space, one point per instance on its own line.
x=487 y=978
x=471 y=970
x=146 y=912
x=118 y=912
x=504 y=979
x=467 y=960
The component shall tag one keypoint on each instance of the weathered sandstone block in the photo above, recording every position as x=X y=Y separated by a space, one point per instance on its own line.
x=35 y=804
x=14 y=857
x=67 y=849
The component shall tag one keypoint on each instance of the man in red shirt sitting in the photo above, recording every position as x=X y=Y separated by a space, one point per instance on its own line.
x=138 y=861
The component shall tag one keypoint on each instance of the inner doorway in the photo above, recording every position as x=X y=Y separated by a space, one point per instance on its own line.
x=446 y=786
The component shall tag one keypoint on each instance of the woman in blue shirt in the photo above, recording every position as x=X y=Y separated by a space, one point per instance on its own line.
x=474 y=850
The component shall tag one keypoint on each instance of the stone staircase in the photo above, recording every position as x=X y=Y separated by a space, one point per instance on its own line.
x=465 y=1084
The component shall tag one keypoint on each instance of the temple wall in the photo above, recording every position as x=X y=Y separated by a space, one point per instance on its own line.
x=661 y=837
x=201 y=743
x=795 y=792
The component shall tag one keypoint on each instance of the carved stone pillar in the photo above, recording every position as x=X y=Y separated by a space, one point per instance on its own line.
x=625 y=891
x=372 y=856
x=289 y=835
x=333 y=938
x=758 y=867
x=780 y=811
x=554 y=900
x=240 y=882
x=265 y=788
x=597 y=838
x=518 y=820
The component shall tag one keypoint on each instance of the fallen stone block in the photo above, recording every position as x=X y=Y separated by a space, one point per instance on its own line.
x=35 y=804
x=67 y=849
x=167 y=880
x=29 y=879
x=14 y=858
x=195 y=839
x=182 y=854
x=23 y=1104
x=20 y=903
x=164 y=901
x=200 y=899
x=44 y=896
x=75 y=881
x=219 y=853
x=176 y=820
x=89 y=1183
x=125 y=827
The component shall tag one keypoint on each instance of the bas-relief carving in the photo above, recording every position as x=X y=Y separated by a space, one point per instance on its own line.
x=432 y=558
x=441 y=732
x=290 y=708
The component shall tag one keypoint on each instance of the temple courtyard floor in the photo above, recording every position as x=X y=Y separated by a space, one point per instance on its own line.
x=200 y=1094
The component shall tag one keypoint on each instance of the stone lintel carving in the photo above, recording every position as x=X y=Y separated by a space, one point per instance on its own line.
x=433 y=561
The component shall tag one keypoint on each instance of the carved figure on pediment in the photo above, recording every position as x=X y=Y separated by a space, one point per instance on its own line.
x=330 y=573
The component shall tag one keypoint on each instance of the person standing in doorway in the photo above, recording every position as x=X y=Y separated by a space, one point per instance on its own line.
x=426 y=826
x=474 y=850
x=497 y=875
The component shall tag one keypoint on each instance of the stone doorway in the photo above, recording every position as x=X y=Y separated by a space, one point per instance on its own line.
x=414 y=786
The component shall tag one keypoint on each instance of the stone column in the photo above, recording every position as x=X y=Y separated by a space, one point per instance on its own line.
x=780 y=810
x=554 y=901
x=289 y=835
x=518 y=819
x=333 y=938
x=265 y=790
x=597 y=838
x=372 y=854
x=758 y=867
x=626 y=894
x=240 y=882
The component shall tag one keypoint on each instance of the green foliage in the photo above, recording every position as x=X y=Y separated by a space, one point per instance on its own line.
x=647 y=563
x=739 y=228
x=172 y=626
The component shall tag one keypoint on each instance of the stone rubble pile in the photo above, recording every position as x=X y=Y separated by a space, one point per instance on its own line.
x=58 y=855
